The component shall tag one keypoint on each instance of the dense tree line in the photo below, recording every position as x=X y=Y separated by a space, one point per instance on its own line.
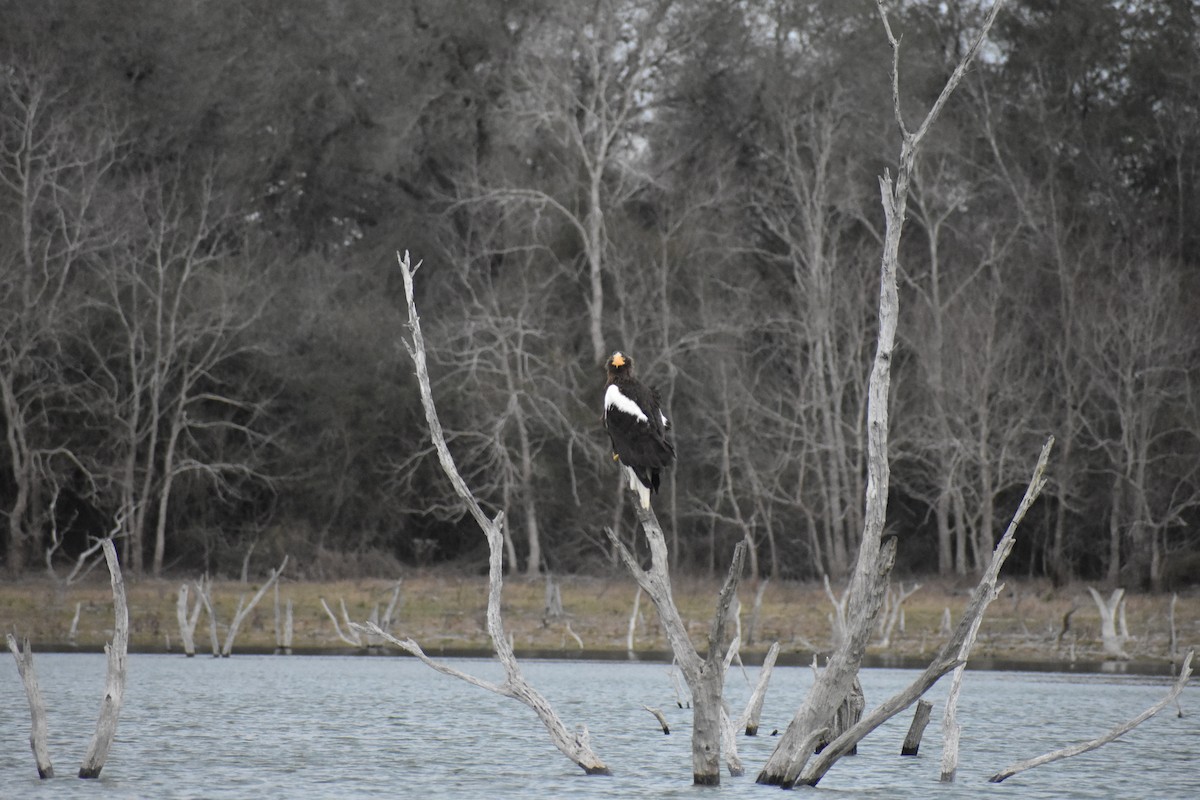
x=200 y=206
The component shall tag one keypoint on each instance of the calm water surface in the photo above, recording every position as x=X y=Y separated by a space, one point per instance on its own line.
x=349 y=727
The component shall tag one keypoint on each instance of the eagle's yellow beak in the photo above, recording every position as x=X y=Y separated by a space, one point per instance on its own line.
x=618 y=360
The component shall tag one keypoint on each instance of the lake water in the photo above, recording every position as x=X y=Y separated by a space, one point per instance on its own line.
x=350 y=727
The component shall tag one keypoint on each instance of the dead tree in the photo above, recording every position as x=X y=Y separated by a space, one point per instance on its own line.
x=187 y=620
x=869 y=579
x=37 y=707
x=912 y=741
x=953 y=653
x=114 y=685
x=244 y=608
x=349 y=635
x=705 y=677
x=750 y=717
x=575 y=746
x=1085 y=747
x=1110 y=611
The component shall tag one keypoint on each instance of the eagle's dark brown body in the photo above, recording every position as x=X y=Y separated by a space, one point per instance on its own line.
x=637 y=426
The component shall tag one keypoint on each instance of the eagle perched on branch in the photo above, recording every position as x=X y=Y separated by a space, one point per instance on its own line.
x=637 y=427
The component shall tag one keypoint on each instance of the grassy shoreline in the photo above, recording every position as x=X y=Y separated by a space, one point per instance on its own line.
x=445 y=613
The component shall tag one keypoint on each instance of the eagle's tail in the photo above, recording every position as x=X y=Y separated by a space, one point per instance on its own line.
x=642 y=484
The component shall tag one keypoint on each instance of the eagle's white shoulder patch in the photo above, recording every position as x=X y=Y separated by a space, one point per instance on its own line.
x=614 y=399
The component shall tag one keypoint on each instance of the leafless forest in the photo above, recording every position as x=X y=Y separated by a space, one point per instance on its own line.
x=200 y=311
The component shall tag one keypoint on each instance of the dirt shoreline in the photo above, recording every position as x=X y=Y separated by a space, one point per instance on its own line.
x=445 y=612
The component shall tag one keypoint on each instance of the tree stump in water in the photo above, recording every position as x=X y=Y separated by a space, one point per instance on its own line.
x=912 y=742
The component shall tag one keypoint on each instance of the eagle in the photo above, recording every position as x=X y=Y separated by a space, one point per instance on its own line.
x=637 y=426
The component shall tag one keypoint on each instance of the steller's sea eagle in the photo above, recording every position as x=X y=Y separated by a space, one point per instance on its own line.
x=637 y=427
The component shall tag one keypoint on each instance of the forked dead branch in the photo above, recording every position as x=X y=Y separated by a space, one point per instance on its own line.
x=114 y=685
x=575 y=746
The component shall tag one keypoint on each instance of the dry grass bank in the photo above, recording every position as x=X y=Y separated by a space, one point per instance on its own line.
x=446 y=611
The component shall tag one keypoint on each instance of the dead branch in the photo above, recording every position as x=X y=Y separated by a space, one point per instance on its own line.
x=750 y=717
x=349 y=636
x=873 y=566
x=243 y=611
x=953 y=653
x=1120 y=730
x=577 y=746
x=114 y=685
x=705 y=677
x=912 y=741
x=37 y=707
x=662 y=721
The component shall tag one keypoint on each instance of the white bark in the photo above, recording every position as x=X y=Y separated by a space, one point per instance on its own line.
x=349 y=635
x=953 y=653
x=871 y=571
x=750 y=717
x=187 y=621
x=575 y=746
x=37 y=707
x=1120 y=730
x=662 y=721
x=242 y=611
x=633 y=619
x=114 y=685
x=705 y=677
x=1112 y=642
x=204 y=593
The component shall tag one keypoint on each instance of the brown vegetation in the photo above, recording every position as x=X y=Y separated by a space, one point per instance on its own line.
x=446 y=612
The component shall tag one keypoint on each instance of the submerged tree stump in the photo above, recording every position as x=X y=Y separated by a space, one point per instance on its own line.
x=912 y=741
x=37 y=708
x=114 y=685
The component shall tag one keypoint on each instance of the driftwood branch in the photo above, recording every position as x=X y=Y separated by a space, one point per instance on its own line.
x=1100 y=741
x=38 y=730
x=662 y=721
x=114 y=685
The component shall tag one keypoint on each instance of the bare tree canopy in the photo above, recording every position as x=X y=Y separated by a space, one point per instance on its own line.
x=199 y=206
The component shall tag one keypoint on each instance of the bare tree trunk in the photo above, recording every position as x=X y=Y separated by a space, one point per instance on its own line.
x=242 y=611
x=912 y=741
x=187 y=622
x=705 y=677
x=114 y=685
x=953 y=652
x=750 y=717
x=1113 y=643
x=874 y=563
x=37 y=707
x=576 y=746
